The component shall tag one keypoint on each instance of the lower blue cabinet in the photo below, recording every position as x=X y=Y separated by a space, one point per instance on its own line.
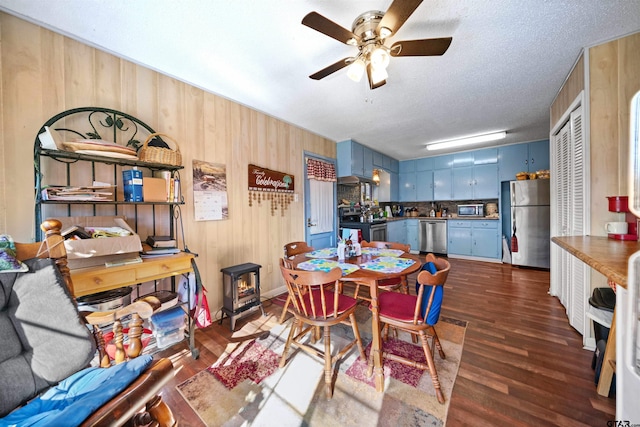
x=396 y=231
x=479 y=238
x=412 y=234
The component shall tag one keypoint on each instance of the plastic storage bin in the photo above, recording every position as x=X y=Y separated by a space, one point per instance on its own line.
x=168 y=326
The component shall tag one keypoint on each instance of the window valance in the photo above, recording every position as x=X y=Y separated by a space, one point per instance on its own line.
x=320 y=171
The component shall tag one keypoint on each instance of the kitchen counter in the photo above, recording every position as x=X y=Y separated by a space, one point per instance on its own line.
x=608 y=256
x=430 y=218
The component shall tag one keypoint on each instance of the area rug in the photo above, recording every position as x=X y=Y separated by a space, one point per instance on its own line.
x=246 y=387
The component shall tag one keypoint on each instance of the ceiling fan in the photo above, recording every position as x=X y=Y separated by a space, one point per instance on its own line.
x=369 y=33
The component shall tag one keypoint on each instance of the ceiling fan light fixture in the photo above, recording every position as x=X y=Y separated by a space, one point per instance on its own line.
x=356 y=70
x=384 y=32
x=452 y=143
x=378 y=74
x=379 y=57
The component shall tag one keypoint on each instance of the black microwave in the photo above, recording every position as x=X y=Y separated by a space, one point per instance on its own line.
x=471 y=210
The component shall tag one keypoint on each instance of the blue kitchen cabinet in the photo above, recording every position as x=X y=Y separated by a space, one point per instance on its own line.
x=394 y=165
x=396 y=231
x=378 y=159
x=486 y=239
x=393 y=183
x=424 y=186
x=462 y=179
x=485 y=181
x=464 y=159
x=357 y=159
x=412 y=234
x=485 y=156
x=529 y=157
x=459 y=237
x=443 y=162
x=354 y=159
x=475 y=182
x=407 y=186
x=442 y=184
x=513 y=159
x=424 y=164
x=415 y=186
x=367 y=162
x=538 y=155
x=477 y=238
x=407 y=166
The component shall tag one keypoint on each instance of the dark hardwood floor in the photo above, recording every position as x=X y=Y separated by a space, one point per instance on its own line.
x=522 y=364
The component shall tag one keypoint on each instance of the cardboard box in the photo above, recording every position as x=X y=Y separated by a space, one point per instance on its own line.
x=154 y=189
x=93 y=252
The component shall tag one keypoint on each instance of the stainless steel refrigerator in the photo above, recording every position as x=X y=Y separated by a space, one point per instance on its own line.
x=530 y=218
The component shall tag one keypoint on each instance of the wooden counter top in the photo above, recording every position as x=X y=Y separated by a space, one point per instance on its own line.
x=608 y=256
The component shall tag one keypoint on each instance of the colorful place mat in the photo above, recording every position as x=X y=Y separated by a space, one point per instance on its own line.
x=382 y=252
x=323 y=253
x=327 y=265
x=388 y=264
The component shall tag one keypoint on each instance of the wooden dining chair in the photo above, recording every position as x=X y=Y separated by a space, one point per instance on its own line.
x=290 y=250
x=317 y=303
x=393 y=283
x=418 y=315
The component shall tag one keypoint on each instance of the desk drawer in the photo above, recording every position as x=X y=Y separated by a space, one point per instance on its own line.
x=165 y=267
x=91 y=282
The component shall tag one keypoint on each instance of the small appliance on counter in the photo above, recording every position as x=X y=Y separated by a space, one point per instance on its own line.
x=617 y=230
x=471 y=210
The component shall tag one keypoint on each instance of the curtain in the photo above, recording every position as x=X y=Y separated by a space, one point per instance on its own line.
x=321 y=171
x=321 y=198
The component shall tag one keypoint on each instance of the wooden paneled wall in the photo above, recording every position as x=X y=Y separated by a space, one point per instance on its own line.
x=44 y=73
x=614 y=77
x=570 y=90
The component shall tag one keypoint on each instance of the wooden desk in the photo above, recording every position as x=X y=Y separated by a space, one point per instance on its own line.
x=610 y=257
x=370 y=279
x=91 y=280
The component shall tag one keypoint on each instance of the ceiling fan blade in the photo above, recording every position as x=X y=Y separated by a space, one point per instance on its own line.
x=327 y=27
x=331 y=69
x=425 y=47
x=397 y=14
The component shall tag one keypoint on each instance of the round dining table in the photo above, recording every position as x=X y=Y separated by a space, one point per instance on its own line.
x=369 y=278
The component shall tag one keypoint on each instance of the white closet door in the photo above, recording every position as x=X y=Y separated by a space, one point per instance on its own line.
x=569 y=275
x=580 y=285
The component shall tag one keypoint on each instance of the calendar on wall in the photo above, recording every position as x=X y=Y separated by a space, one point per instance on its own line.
x=210 y=200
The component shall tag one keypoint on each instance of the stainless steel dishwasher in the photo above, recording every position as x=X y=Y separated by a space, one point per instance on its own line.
x=432 y=236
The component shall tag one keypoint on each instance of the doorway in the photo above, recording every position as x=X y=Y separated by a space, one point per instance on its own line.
x=320 y=194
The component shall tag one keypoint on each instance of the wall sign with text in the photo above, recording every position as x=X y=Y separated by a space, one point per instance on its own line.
x=276 y=187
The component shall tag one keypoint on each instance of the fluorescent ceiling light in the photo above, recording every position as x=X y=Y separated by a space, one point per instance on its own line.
x=466 y=141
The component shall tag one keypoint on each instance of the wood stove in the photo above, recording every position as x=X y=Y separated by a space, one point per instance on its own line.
x=241 y=287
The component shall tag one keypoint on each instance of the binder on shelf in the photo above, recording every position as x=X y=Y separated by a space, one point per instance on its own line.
x=132 y=180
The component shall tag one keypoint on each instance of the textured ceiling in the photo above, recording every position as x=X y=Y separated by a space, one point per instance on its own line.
x=505 y=65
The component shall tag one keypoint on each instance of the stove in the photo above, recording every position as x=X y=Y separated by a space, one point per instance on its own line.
x=371 y=231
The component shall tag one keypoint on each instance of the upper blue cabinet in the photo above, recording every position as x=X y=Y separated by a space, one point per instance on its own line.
x=529 y=157
x=356 y=159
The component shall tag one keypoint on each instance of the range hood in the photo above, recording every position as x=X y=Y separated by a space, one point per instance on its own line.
x=353 y=180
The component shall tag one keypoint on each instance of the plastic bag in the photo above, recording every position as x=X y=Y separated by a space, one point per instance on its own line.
x=187 y=290
x=201 y=313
